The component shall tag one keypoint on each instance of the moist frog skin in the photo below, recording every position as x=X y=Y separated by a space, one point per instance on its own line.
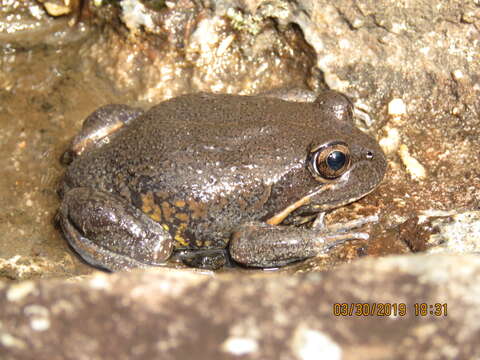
x=208 y=178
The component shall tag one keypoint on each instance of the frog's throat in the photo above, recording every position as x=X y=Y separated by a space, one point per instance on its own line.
x=279 y=217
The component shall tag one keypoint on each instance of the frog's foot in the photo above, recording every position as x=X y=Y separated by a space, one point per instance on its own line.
x=99 y=128
x=208 y=259
x=110 y=233
x=264 y=245
x=319 y=223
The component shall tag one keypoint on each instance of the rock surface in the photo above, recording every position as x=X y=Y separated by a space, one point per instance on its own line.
x=181 y=314
x=412 y=70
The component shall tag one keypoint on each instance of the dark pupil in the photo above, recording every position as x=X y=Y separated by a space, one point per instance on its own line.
x=336 y=160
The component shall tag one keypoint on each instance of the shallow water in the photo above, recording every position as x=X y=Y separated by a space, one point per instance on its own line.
x=45 y=92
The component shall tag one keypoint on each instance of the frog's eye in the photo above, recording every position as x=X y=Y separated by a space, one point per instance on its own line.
x=329 y=161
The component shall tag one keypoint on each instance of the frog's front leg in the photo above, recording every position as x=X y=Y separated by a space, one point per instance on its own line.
x=110 y=233
x=258 y=244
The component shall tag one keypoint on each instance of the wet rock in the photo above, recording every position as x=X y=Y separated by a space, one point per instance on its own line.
x=60 y=7
x=385 y=54
x=442 y=232
x=28 y=23
x=28 y=267
x=17 y=16
x=187 y=46
x=455 y=233
x=174 y=314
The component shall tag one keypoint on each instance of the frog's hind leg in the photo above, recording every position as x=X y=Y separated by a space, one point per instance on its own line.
x=108 y=232
x=94 y=254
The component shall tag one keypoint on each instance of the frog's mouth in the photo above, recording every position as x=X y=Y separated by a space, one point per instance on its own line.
x=306 y=203
x=282 y=215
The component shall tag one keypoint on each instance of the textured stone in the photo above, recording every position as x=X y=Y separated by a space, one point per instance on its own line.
x=182 y=314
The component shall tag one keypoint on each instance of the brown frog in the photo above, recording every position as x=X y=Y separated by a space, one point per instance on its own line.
x=203 y=176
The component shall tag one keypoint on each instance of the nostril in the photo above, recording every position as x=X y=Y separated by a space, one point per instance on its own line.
x=369 y=155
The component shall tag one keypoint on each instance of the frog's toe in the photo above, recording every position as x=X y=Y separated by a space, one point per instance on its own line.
x=109 y=233
x=319 y=224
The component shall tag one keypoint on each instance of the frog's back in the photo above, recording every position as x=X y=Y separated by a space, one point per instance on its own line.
x=195 y=137
x=202 y=163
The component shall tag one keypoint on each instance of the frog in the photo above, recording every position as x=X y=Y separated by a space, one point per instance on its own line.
x=217 y=180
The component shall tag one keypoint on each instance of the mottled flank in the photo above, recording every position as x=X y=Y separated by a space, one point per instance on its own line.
x=179 y=234
x=150 y=208
x=197 y=209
